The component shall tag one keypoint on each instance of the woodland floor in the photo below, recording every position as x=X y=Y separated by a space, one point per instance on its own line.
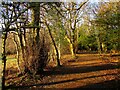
x=86 y=71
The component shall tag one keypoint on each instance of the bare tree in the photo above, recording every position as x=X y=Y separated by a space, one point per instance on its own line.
x=73 y=13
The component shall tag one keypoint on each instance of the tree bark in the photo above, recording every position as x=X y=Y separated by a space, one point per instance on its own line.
x=71 y=47
x=4 y=37
x=36 y=20
x=57 y=52
x=18 y=52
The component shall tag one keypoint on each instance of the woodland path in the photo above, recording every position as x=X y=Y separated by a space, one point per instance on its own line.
x=0 y=61
x=86 y=71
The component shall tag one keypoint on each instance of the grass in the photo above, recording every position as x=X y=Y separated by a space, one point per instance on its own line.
x=10 y=63
x=10 y=57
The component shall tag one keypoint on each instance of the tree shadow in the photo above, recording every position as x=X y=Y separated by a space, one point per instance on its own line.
x=70 y=70
x=113 y=84
x=106 y=84
x=77 y=69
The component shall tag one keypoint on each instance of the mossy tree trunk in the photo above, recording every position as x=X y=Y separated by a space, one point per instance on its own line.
x=36 y=20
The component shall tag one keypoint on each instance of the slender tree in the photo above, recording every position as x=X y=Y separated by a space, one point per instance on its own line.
x=51 y=16
x=73 y=12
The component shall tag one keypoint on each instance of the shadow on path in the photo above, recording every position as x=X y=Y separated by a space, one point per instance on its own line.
x=101 y=85
x=112 y=84
x=75 y=69
x=72 y=70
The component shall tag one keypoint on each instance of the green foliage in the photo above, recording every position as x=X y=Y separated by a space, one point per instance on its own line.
x=88 y=43
x=86 y=40
x=108 y=20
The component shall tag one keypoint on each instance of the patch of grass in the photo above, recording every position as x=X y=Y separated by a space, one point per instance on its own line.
x=10 y=57
x=11 y=62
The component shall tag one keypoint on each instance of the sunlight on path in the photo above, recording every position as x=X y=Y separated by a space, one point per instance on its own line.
x=0 y=63
x=86 y=71
x=0 y=73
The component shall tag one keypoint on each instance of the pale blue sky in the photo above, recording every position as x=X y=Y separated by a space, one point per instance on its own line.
x=91 y=0
x=58 y=0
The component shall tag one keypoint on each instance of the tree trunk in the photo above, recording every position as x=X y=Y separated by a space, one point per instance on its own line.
x=23 y=52
x=57 y=52
x=36 y=20
x=59 y=49
x=71 y=47
x=18 y=53
x=72 y=50
x=4 y=37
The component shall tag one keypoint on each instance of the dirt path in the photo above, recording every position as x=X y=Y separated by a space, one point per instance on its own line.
x=87 y=71
x=0 y=60
x=0 y=74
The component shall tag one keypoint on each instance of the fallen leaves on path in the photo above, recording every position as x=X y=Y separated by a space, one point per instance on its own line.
x=87 y=70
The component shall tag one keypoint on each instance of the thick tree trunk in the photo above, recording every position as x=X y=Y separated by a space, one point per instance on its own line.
x=36 y=20
x=71 y=47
